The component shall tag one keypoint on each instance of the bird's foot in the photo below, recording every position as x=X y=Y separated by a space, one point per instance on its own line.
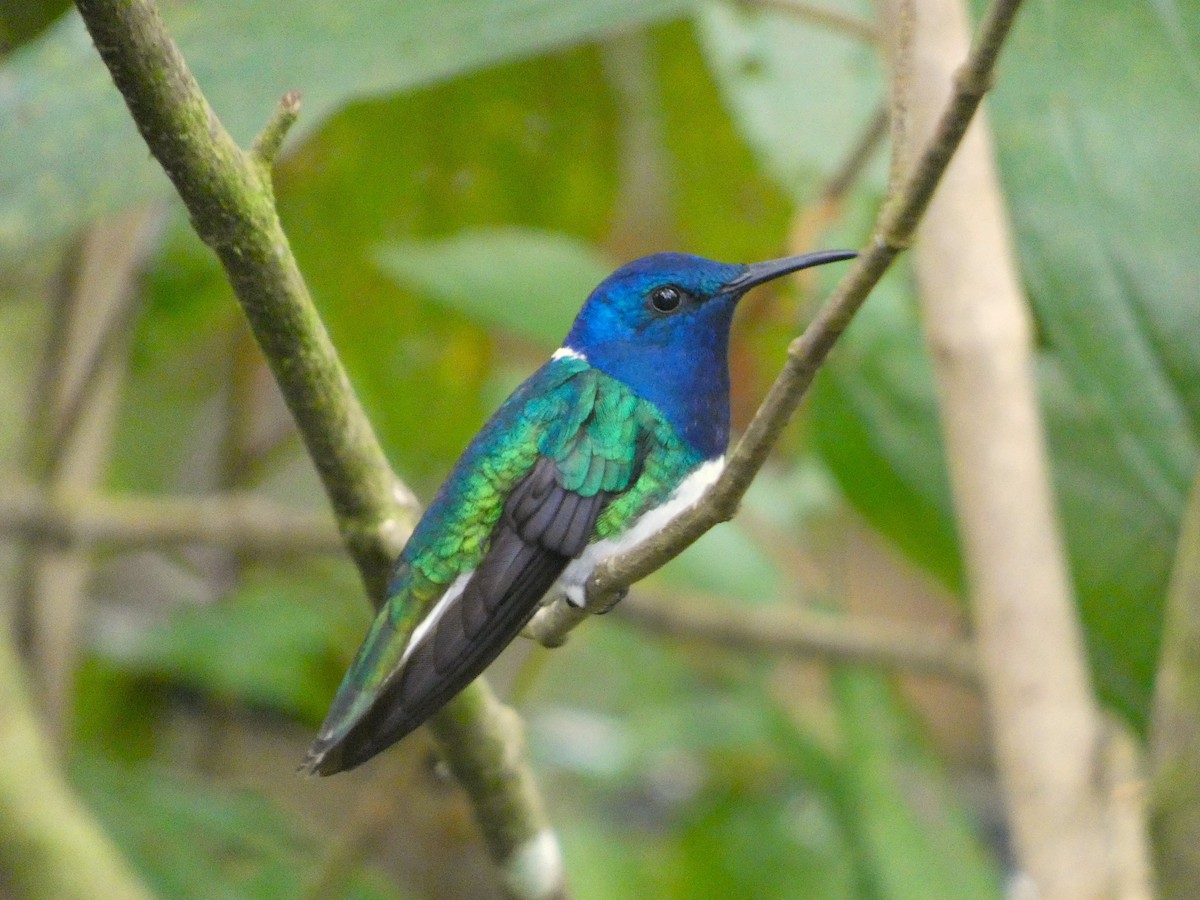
x=611 y=604
x=576 y=599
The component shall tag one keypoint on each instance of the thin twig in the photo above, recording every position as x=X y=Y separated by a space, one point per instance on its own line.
x=241 y=522
x=806 y=354
x=802 y=633
x=82 y=401
x=269 y=141
x=861 y=153
x=901 y=20
x=230 y=198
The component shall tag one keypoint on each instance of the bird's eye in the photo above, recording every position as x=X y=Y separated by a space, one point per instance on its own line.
x=666 y=299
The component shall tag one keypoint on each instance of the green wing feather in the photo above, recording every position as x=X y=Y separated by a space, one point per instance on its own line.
x=606 y=445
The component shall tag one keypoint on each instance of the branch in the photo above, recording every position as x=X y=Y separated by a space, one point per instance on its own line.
x=230 y=198
x=900 y=20
x=802 y=633
x=1052 y=747
x=70 y=439
x=231 y=201
x=893 y=233
x=240 y=522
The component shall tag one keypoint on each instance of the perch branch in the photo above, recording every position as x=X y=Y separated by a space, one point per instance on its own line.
x=893 y=233
x=260 y=528
x=230 y=198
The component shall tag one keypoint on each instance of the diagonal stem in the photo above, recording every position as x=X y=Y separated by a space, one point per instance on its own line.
x=229 y=195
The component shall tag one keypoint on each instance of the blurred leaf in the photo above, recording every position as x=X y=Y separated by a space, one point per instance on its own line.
x=777 y=73
x=722 y=204
x=1103 y=194
x=764 y=840
x=281 y=642
x=530 y=283
x=194 y=839
x=60 y=96
x=915 y=841
x=115 y=712
x=21 y=20
x=169 y=430
x=528 y=144
x=875 y=423
x=704 y=799
x=728 y=562
x=716 y=790
x=1100 y=185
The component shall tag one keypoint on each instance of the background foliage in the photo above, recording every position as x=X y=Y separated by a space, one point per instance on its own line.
x=462 y=175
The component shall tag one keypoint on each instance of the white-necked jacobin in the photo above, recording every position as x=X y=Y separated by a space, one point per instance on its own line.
x=623 y=428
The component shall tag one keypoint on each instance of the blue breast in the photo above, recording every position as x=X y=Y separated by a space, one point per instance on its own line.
x=677 y=362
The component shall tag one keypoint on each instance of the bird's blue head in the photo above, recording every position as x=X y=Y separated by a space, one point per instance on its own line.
x=660 y=324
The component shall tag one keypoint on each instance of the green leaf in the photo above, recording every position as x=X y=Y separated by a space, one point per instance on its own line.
x=694 y=797
x=76 y=154
x=765 y=839
x=721 y=204
x=910 y=833
x=280 y=642
x=21 y=21
x=1104 y=196
x=452 y=157
x=1101 y=188
x=528 y=282
x=198 y=840
x=778 y=72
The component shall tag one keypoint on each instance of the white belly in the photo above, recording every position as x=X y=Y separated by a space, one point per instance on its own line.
x=570 y=584
x=574 y=577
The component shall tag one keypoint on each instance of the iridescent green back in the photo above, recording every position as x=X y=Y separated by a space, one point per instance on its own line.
x=601 y=436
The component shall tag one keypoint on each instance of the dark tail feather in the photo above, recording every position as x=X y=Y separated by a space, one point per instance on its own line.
x=494 y=606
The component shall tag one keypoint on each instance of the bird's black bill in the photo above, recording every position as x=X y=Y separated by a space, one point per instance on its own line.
x=758 y=273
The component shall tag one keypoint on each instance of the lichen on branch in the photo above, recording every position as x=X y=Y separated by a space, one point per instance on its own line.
x=229 y=196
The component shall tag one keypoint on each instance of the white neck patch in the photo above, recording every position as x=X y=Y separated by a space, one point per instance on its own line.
x=568 y=353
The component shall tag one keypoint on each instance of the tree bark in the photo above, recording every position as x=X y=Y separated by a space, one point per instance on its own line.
x=1049 y=734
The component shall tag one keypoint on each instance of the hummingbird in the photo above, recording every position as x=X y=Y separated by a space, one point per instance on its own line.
x=623 y=428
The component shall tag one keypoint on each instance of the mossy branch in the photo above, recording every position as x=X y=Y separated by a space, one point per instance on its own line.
x=893 y=233
x=229 y=196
